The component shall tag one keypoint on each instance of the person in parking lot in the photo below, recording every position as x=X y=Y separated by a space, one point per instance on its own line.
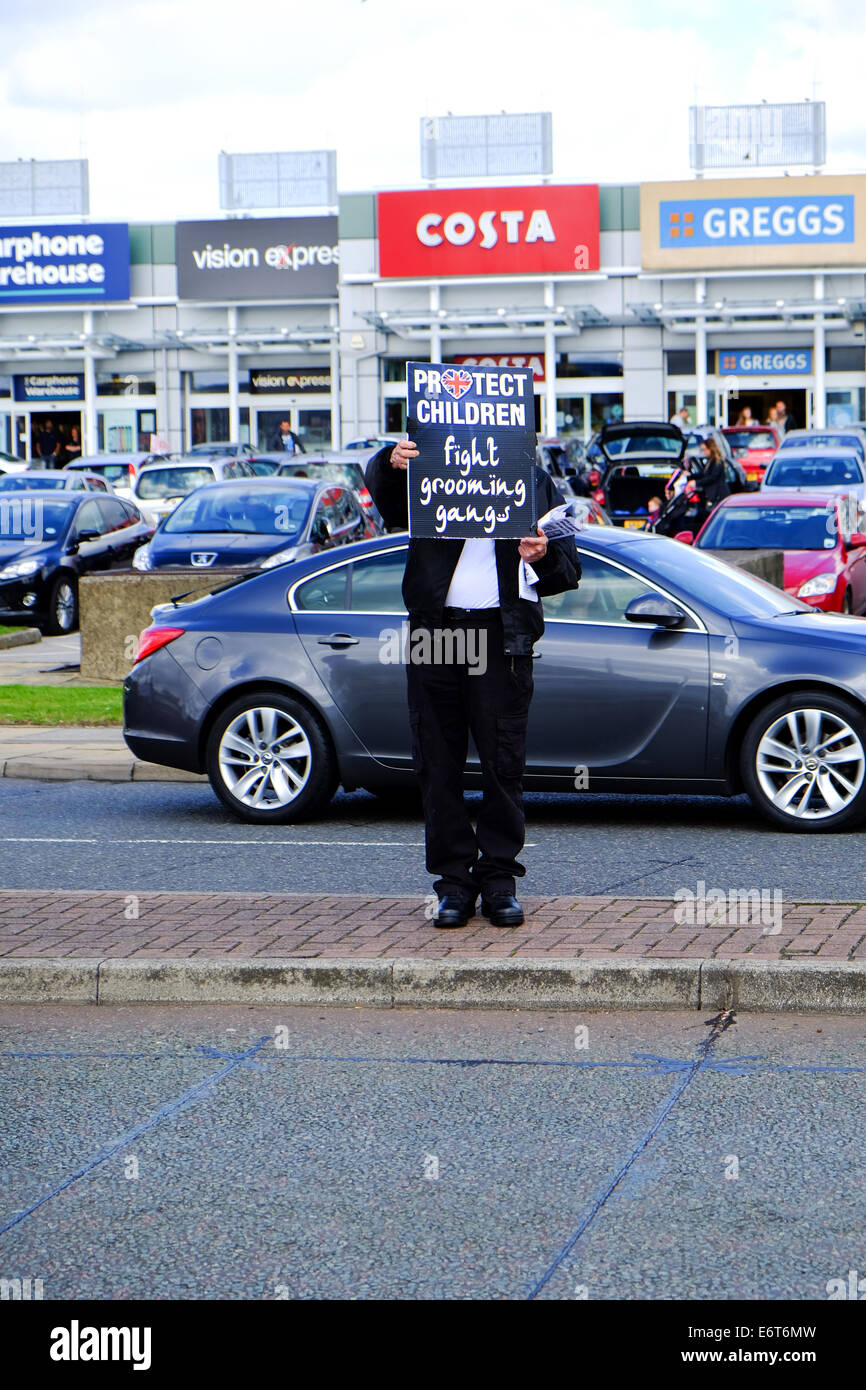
x=681 y=419
x=48 y=446
x=72 y=447
x=713 y=483
x=471 y=589
x=783 y=419
x=745 y=418
x=286 y=439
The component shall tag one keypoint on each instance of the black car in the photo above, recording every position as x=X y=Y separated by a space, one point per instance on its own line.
x=259 y=523
x=48 y=540
x=667 y=670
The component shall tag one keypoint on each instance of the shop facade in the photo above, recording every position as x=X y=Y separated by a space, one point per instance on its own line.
x=625 y=301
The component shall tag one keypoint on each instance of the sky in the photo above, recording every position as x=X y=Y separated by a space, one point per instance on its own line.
x=151 y=90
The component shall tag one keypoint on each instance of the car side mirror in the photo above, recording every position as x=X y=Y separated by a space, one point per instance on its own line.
x=685 y=536
x=857 y=540
x=655 y=609
x=88 y=535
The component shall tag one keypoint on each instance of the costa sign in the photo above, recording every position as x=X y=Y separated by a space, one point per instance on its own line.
x=489 y=231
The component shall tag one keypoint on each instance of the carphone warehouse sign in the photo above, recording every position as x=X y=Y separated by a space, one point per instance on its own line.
x=87 y=263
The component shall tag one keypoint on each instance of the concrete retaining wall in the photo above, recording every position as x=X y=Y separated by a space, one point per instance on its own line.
x=116 y=607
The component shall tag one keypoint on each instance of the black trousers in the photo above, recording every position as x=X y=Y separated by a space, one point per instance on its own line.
x=488 y=695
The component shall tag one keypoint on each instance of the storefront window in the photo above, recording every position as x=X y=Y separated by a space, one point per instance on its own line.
x=395 y=417
x=314 y=428
x=570 y=416
x=211 y=425
x=125 y=431
x=604 y=409
x=129 y=384
x=394 y=369
x=589 y=364
x=5 y=386
x=846 y=407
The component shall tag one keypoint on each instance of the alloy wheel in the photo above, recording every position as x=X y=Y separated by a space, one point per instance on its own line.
x=64 y=606
x=265 y=758
x=810 y=764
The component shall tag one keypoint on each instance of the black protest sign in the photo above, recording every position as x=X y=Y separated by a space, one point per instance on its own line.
x=475 y=432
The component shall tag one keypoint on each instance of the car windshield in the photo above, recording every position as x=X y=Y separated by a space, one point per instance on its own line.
x=820 y=471
x=750 y=439
x=30 y=482
x=642 y=444
x=253 y=511
x=171 y=482
x=722 y=587
x=346 y=474
x=114 y=472
x=771 y=528
x=34 y=519
x=824 y=441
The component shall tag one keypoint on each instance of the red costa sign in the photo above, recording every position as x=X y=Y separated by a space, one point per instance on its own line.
x=489 y=231
x=506 y=359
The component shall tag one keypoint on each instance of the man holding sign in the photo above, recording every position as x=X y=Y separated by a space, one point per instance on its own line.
x=466 y=485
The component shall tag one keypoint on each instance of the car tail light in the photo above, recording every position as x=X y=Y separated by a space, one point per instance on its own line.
x=594 y=478
x=366 y=499
x=599 y=497
x=153 y=638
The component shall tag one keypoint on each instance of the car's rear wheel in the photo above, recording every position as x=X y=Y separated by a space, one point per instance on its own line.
x=803 y=762
x=62 y=607
x=270 y=760
x=847 y=606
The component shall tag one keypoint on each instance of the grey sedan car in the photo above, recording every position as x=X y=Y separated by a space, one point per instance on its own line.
x=666 y=671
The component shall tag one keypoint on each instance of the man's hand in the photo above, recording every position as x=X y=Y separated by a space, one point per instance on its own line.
x=533 y=547
x=402 y=453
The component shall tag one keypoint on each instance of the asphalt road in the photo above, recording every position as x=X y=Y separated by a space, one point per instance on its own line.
x=180 y=1153
x=163 y=836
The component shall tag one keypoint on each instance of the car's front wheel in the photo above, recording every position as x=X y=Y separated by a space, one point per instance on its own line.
x=62 y=614
x=270 y=760
x=803 y=762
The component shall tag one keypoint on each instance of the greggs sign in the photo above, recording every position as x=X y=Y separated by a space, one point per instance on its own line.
x=489 y=231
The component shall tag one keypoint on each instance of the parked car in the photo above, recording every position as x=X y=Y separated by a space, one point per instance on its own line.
x=53 y=480
x=372 y=443
x=838 y=437
x=160 y=487
x=347 y=472
x=219 y=448
x=265 y=465
x=259 y=524
x=821 y=470
x=119 y=470
x=49 y=539
x=640 y=682
x=753 y=446
x=824 y=549
x=640 y=456
x=10 y=464
x=554 y=457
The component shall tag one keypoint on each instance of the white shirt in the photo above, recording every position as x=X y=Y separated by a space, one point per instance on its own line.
x=475 y=582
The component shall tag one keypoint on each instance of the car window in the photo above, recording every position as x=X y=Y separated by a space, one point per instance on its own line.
x=132 y=512
x=324 y=591
x=820 y=471
x=766 y=527
x=114 y=514
x=376 y=583
x=89 y=518
x=603 y=596
x=171 y=482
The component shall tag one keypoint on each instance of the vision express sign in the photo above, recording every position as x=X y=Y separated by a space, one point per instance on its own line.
x=273 y=258
x=475 y=432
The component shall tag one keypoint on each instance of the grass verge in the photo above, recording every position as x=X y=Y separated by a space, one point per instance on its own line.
x=60 y=704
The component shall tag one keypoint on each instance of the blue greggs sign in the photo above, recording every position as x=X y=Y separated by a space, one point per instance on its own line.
x=87 y=263
x=764 y=362
x=792 y=221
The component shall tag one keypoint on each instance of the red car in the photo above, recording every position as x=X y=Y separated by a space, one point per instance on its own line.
x=825 y=553
x=753 y=446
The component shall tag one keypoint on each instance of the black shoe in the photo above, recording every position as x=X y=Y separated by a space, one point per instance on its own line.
x=454 y=910
x=503 y=910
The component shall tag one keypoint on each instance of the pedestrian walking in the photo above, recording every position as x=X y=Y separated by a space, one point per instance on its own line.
x=286 y=439
x=471 y=593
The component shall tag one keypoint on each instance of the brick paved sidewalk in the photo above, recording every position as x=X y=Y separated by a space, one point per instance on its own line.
x=245 y=925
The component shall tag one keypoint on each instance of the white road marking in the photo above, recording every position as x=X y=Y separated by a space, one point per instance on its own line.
x=278 y=844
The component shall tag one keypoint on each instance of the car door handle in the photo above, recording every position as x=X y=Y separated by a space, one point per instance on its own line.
x=339 y=639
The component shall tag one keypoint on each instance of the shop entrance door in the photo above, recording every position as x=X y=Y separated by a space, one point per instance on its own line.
x=798 y=404
x=63 y=426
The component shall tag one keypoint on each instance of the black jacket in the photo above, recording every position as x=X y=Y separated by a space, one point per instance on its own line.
x=713 y=483
x=277 y=443
x=431 y=563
